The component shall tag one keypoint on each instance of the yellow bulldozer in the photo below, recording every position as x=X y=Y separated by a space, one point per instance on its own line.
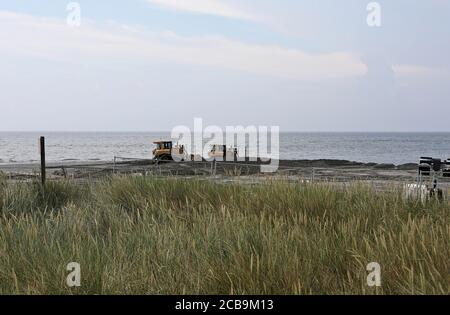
x=167 y=151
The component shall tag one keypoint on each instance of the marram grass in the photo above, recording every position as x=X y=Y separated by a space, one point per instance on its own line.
x=141 y=235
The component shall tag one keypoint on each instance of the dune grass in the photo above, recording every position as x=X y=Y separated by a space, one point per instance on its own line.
x=141 y=235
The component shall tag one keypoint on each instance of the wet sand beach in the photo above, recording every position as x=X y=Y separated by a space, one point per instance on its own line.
x=323 y=169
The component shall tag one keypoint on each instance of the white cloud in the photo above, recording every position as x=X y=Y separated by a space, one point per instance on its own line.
x=54 y=40
x=209 y=7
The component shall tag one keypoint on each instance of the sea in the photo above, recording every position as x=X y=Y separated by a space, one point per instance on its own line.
x=376 y=147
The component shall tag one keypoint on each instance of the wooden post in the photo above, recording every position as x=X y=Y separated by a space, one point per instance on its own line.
x=42 y=152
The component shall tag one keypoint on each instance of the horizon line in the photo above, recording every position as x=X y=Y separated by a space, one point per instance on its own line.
x=169 y=131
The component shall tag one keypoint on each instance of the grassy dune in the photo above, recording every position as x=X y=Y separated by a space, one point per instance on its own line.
x=155 y=236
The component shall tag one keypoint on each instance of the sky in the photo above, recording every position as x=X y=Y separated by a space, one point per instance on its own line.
x=150 y=65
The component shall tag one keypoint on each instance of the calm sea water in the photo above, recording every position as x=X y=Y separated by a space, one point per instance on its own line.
x=397 y=148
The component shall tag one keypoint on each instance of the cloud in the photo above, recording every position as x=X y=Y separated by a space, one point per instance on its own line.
x=208 y=7
x=91 y=43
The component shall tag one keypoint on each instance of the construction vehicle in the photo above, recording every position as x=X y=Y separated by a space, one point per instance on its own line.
x=166 y=151
x=220 y=151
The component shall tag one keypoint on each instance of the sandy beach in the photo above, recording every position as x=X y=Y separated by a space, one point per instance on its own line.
x=319 y=170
